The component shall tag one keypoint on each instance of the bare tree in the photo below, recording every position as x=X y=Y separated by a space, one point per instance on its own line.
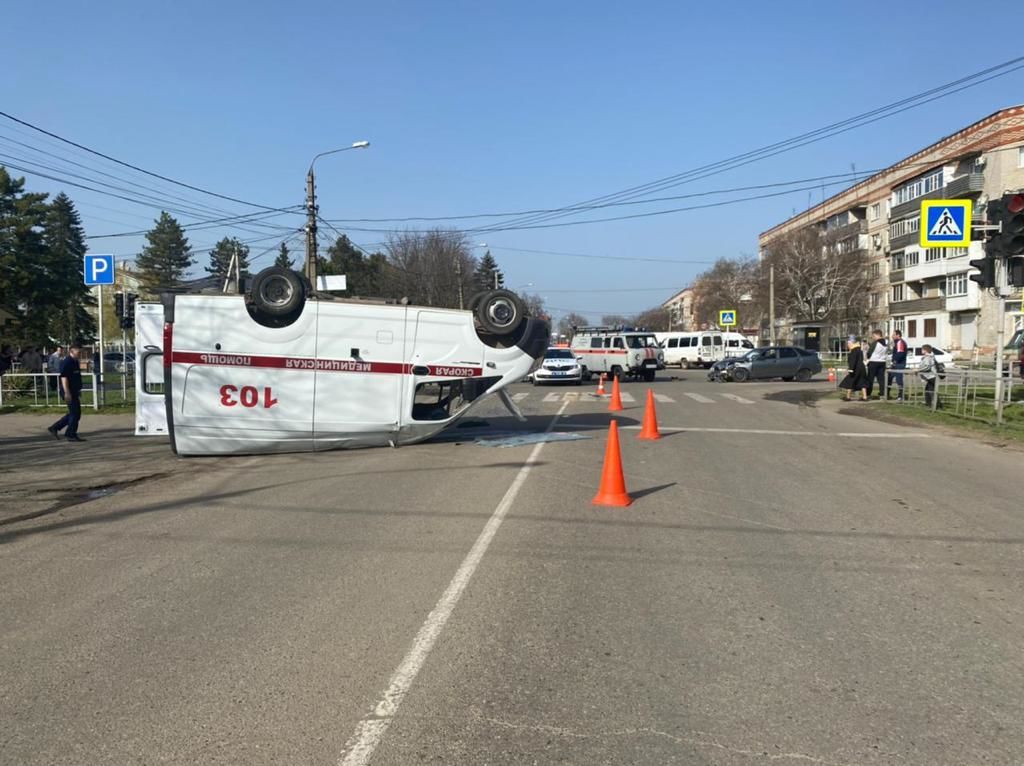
x=570 y=321
x=431 y=268
x=616 y=320
x=819 y=278
x=656 y=319
x=726 y=285
x=534 y=305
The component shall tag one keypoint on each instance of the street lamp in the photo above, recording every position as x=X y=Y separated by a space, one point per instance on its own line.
x=311 y=210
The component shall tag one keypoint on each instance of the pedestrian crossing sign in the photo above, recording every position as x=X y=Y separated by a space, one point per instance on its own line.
x=727 y=318
x=946 y=223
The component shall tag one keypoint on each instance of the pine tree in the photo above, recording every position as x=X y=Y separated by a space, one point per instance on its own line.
x=364 y=275
x=64 y=238
x=164 y=261
x=24 y=283
x=221 y=255
x=488 y=276
x=282 y=258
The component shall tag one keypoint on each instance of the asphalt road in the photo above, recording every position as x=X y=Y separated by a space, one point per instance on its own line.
x=791 y=585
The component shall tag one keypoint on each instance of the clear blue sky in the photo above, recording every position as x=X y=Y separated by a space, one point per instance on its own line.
x=481 y=107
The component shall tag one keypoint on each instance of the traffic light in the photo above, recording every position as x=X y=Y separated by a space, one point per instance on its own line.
x=1015 y=270
x=986 y=276
x=119 y=307
x=128 y=318
x=1008 y=211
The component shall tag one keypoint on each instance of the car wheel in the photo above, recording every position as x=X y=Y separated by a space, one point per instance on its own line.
x=500 y=312
x=277 y=292
x=803 y=375
x=740 y=374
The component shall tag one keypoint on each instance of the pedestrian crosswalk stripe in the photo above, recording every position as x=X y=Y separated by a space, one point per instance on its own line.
x=736 y=398
x=627 y=397
x=663 y=398
x=699 y=398
x=553 y=397
x=520 y=396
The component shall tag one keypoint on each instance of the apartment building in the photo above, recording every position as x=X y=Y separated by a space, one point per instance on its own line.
x=925 y=292
x=680 y=310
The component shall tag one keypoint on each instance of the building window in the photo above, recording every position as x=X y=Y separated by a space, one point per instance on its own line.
x=934 y=254
x=897 y=261
x=903 y=227
x=913 y=257
x=876 y=270
x=876 y=211
x=837 y=221
x=956 y=284
x=918 y=187
x=1020 y=156
x=897 y=293
x=899 y=323
x=876 y=299
x=912 y=328
x=956 y=252
x=929 y=328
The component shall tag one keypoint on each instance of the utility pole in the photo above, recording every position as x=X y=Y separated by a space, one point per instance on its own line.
x=771 y=305
x=1000 y=335
x=458 y=277
x=311 y=228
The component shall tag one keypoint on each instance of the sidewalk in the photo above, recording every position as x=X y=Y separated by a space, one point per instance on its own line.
x=39 y=474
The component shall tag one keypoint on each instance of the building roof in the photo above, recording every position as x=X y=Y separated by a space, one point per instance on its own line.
x=1000 y=128
x=677 y=296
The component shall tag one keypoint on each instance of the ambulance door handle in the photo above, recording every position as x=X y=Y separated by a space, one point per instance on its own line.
x=419 y=369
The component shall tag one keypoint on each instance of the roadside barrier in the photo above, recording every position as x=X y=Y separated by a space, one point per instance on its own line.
x=615 y=405
x=612 y=491
x=649 y=430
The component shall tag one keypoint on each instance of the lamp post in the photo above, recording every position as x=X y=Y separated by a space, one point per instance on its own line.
x=311 y=211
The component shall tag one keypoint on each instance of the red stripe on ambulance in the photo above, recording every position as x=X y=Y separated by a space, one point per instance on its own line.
x=320 y=365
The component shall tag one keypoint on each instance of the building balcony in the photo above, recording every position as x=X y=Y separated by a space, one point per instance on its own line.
x=904 y=240
x=969 y=302
x=895 y=277
x=849 y=230
x=969 y=183
x=917 y=306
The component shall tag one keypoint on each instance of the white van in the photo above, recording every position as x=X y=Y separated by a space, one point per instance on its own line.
x=701 y=349
x=275 y=371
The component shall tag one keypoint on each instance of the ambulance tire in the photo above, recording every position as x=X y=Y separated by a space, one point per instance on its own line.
x=277 y=292
x=649 y=375
x=684 y=365
x=500 y=312
x=475 y=301
x=615 y=372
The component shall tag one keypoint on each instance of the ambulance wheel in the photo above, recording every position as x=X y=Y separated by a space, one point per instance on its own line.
x=615 y=372
x=500 y=312
x=277 y=292
x=684 y=365
x=475 y=301
x=649 y=375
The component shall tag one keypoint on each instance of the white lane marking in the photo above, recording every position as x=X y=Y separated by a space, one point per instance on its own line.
x=737 y=398
x=848 y=434
x=552 y=397
x=699 y=398
x=520 y=396
x=368 y=734
x=627 y=397
x=663 y=398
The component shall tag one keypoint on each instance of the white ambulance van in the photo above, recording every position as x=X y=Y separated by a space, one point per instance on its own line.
x=701 y=349
x=276 y=370
x=619 y=352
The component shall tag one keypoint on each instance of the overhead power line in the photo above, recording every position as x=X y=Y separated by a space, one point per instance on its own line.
x=136 y=168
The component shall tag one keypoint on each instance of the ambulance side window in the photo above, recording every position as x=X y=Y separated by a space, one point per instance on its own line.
x=596 y=343
x=705 y=341
x=444 y=399
x=618 y=343
x=673 y=342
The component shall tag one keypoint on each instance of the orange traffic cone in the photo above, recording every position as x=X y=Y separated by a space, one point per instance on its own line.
x=615 y=405
x=649 y=430
x=600 y=384
x=831 y=374
x=613 y=485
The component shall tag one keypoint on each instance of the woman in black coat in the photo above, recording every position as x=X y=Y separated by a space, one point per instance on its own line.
x=856 y=371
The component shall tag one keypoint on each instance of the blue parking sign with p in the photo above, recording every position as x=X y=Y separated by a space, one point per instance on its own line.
x=99 y=269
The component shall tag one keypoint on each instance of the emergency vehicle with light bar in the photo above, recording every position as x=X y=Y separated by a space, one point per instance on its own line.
x=280 y=369
x=619 y=352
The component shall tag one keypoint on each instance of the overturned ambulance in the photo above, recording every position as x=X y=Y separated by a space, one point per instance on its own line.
x=280 y=369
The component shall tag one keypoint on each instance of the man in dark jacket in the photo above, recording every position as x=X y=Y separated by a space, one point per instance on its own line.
x=899 y=363
x=71 y=388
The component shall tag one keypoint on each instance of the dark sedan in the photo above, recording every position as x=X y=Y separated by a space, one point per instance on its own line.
x=786 y=362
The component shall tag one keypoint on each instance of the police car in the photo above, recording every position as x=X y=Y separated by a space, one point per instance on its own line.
x=618 y=351
x=559 y=365
x=282 y=369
